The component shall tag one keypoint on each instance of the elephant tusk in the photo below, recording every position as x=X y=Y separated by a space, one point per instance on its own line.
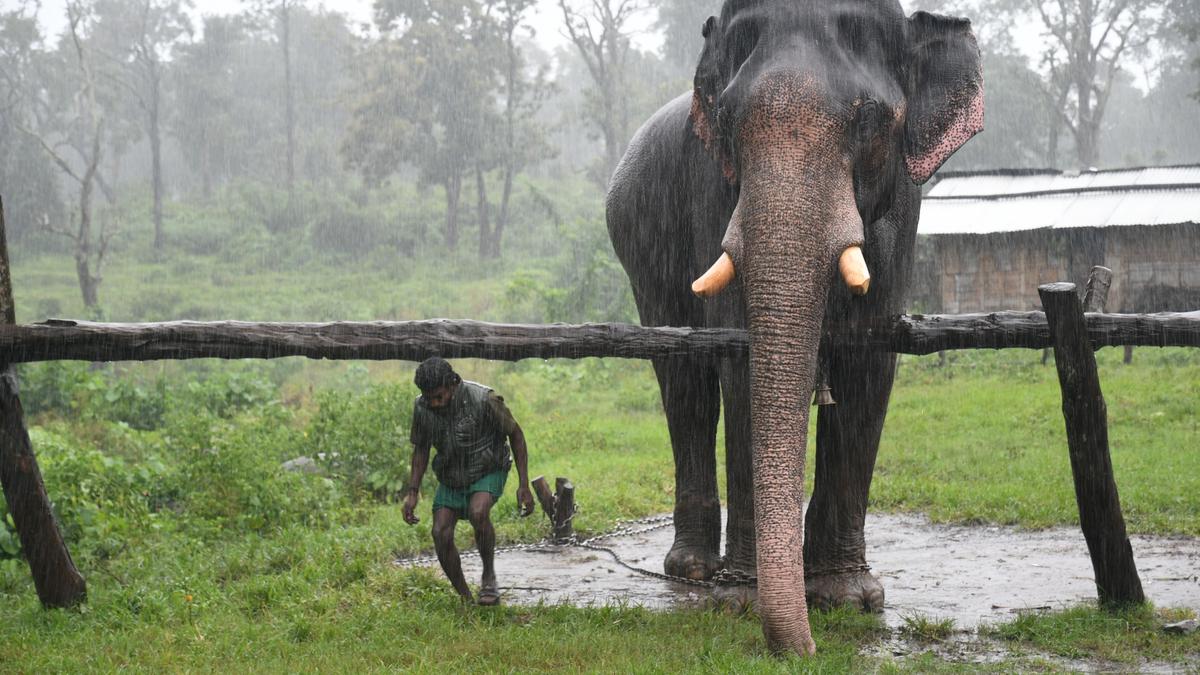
x=715 y=279
x=854 y=270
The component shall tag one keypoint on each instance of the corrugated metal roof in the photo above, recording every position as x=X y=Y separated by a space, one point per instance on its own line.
x=1014 y=201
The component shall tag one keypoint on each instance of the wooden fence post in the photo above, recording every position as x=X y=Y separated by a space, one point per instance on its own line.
x=564 y=509
x=1095 y=299
x=559 y=507
x=1086 y=417
x=55 y=577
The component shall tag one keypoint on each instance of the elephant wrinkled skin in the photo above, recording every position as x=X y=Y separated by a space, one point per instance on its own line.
x=809 y=130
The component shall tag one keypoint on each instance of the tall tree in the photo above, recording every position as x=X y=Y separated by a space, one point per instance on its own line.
x=136 y=38
x=206 y=109
x=279 y=15
x=427 y=86
x=1089 y=41
x=65 y=114
x=600 y=33
x=1183 y=19
x=27 y=176
x=524 y=93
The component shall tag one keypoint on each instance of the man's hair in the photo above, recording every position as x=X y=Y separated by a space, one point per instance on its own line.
x=435 y=372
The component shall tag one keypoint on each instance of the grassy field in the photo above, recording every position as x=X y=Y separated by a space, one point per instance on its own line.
x=201 y=556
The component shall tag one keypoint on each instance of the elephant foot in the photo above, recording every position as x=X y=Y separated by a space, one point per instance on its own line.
x=691 y=562
x=856 y=588
x=736 y=600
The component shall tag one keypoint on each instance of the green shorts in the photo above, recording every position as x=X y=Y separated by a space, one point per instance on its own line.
x=459 y=500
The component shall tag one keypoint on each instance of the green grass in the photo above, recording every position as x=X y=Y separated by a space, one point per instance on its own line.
x=926 y=629
x=327 y=597
x=983 y=440
x=1128 y=636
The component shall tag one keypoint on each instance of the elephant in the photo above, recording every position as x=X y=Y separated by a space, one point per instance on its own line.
x=796 y=159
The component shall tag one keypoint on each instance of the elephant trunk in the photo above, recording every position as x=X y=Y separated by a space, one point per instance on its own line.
x=797 y=216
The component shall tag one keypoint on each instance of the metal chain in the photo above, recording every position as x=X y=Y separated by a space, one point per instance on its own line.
x=722 y=577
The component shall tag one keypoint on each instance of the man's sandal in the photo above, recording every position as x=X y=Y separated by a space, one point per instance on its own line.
x=489 y=597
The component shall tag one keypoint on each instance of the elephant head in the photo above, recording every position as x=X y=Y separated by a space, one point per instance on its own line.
x=817 y=109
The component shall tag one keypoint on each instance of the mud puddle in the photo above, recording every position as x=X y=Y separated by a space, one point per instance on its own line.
x=973 y=575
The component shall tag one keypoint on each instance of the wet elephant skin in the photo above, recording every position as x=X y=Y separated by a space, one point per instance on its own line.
x=809 y=130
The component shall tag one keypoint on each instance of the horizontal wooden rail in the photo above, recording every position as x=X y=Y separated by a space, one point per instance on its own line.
x=58 y=340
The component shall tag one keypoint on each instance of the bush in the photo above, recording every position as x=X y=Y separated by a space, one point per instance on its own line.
x=73 y=389
x=230 y=475
x=344 y=227
x=364 y=439
x=225 y=392
x=101 y=501
x=584 y=283
x=52 y=387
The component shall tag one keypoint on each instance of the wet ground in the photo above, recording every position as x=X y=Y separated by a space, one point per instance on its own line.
x=973 y=575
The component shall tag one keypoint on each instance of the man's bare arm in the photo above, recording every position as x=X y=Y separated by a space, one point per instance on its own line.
x=420 y=460
x=521 y=457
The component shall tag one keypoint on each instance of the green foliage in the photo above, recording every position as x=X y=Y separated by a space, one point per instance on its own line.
x=72 y=388
x=363 y=440
x=344 y=227
x=52 y=387
x=925 y=628
x=196 y=544
x=230 y=476
x=1129 y=636
x=585 y=283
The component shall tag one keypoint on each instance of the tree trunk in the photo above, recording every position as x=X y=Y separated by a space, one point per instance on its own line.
x=156 y=160
x=206 y=175
x=453 y=187
x=1087 y=140
x=88 y=284
x=502 y=218
x=286 y=43
x=510 y=138
x=485 y=228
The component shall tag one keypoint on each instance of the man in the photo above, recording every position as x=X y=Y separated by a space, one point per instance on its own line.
x=471 y=428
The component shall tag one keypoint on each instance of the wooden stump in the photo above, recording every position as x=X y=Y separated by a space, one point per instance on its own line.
x=58 y=582
x=1087 y=440
x=544 y=496
x=564 y=509
x=558 y=507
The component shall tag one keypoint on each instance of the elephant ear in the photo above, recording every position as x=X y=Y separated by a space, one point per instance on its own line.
x=710 y=81
x=945 y=91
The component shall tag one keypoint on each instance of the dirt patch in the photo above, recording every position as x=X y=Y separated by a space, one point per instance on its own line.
x=974 y=575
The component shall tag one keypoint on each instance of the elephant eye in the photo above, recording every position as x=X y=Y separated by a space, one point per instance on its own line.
x=708 y=27
x=868 y=120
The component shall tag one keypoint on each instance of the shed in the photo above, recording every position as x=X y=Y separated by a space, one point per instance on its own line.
x=990 y=238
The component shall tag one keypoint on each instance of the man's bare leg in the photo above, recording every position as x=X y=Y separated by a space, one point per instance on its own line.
x=444 y=522
x=485 y=539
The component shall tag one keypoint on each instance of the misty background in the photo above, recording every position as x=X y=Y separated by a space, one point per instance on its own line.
x=280 y=160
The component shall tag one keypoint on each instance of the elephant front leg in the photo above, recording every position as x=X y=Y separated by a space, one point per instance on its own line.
x=847 y=443
x=739 y=521
x=690 y=394
x=739 y=504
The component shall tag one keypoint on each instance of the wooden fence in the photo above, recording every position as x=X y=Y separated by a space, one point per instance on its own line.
x=1065 y=327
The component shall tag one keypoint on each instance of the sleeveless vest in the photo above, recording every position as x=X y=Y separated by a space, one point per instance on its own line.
x=470 y=443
